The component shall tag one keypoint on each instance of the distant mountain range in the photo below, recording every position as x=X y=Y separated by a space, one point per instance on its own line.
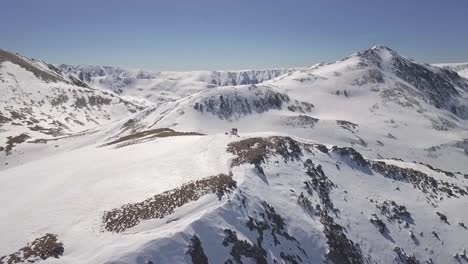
x=164 y=86
x=460 y=68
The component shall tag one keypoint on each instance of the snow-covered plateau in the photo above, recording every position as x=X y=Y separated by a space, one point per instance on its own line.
x=362 y=160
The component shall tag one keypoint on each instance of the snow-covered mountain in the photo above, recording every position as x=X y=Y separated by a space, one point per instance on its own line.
x=165 y=86
x=37 y=100
x=460 y=68
x=363 y=160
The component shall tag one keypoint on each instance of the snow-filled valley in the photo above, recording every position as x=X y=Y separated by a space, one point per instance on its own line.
x=362 y=160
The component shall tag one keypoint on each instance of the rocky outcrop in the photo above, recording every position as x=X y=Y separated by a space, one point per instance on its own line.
x=161 y=205
x=435 y=189
x=42 y=248
x=196 y=252
x=235 y=104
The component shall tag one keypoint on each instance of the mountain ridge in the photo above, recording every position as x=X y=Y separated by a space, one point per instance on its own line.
x=141 y=83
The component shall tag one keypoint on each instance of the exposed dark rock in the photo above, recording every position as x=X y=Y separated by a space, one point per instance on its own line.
x=129 y=124
x=403 y=258
x=322 y=148
x=442 y=217
x=257 y=150
x=395 y=212
x=4 y=119
x=235 y=105
x=341 y=92
x=370 y=56
x=319 y=183
x=242 y=248
x=17 y=115
x=48 y=131
x=12 y=141
x=302 y=121
x=306 y=204
x=447 y=173
x=60 y=99
x=78 y=82
x=287 y=258
x=352 y=154
x=346 y=125
x=419 y=179
x=195 y=250
x=80 y=102
x=301 y=107
x=379 y=224
x=270 y=221
x=341 y=249
x=96 y=100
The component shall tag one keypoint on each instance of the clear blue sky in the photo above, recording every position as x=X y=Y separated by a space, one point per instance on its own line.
x=230 y=34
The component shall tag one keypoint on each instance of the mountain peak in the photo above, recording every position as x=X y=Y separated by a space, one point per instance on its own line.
x=381 y=47
x=380 y=51
x=377 y=55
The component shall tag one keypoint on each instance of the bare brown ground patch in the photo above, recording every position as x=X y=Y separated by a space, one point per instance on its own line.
x=47 y=140
x=148 y=135
x=161 y=205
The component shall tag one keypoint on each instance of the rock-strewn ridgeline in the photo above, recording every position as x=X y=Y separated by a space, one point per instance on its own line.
x=164 y=204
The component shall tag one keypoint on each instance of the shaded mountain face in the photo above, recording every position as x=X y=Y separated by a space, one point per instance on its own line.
x=441 y=88
x=362 y=160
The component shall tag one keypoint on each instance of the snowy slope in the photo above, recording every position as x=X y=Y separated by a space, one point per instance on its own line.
x=358 y=161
